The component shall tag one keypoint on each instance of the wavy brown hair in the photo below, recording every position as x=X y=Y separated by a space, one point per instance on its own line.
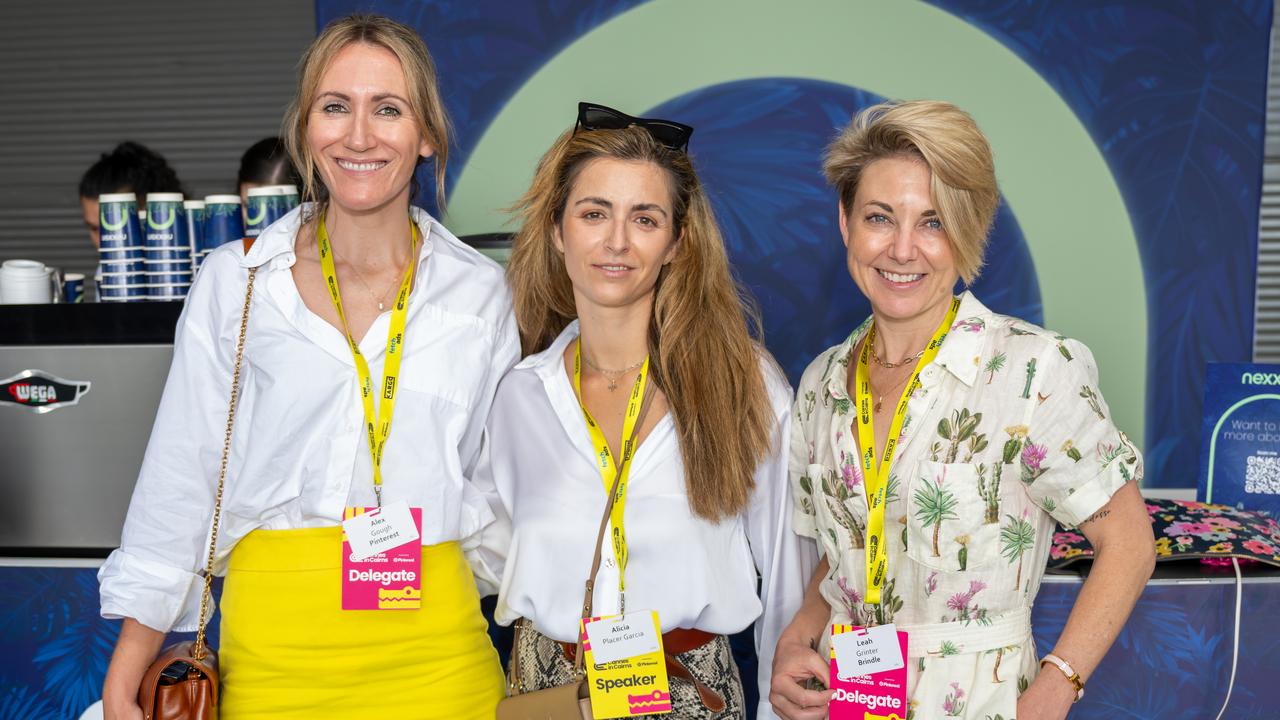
x=420 y=78
x=701 y=349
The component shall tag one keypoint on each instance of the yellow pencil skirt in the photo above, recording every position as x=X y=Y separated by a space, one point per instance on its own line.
x=288 y=650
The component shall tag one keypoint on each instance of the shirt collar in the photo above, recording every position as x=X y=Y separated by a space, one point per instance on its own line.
x=960 y=353
x=278 y=240
x=548 y=362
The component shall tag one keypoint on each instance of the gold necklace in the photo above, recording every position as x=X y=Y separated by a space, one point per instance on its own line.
x=880 y=396
x=890 y=365
x=380 y=299
x=613 y=375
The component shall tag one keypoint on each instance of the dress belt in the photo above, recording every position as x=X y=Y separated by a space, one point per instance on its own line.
x=675 y=642
x=968 y=636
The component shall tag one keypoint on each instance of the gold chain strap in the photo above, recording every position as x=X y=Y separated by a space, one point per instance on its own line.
x=199 y=649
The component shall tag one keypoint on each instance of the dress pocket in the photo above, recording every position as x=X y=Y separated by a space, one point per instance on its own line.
x=953 y=515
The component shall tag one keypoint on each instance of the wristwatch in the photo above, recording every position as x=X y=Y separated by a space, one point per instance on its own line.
x=1072 y=676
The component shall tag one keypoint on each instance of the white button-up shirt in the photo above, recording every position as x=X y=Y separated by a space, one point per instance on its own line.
x=299 y=454
x=695 y=573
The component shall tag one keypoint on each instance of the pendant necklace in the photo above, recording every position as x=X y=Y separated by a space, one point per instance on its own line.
x=612 y=375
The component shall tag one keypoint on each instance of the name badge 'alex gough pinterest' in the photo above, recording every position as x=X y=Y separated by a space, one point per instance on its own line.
x=382 y=558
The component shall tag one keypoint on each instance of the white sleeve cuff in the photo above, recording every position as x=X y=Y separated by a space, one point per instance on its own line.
x=159 y=596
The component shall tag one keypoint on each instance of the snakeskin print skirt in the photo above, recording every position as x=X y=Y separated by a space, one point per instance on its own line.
x=543 y=664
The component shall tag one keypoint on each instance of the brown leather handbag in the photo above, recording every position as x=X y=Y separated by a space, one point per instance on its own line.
x=571 y=701
x=182 y=682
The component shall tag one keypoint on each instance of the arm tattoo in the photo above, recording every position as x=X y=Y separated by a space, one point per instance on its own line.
x=1096 y=516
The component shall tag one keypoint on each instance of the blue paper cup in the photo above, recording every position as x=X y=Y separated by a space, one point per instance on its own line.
x=122 y=267
x=73 y=287
x=168 y=291
x=118 y=293
x=167 y=266
x=266 y=205
x=167 y=254
x=194 y=210
x=173 y=278
x=166 y=221
x=121 y=254
x=118 y=225
x=223 y=222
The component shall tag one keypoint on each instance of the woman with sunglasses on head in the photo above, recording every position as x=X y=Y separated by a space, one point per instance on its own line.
x=374 y=343
x=638 y=350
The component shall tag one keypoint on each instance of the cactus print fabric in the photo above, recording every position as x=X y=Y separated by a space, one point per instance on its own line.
x=1007 y=434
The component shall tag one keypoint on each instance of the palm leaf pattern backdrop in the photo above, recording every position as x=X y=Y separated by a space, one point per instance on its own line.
x=1172 y=92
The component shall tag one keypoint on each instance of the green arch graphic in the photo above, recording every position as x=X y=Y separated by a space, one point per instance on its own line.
x=1050 y=171
x=1213 y=442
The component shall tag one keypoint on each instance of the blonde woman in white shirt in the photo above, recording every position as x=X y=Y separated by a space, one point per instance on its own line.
x=619 y=263
x=368 y=112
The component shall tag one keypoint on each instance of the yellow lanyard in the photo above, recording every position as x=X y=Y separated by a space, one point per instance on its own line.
x=876 y=478
x=609 y=470
x=377 y=421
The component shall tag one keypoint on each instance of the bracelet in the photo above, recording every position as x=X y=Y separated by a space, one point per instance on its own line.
x=1072 y=676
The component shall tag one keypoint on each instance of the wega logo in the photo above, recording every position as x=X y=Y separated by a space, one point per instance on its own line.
x=41 y=392
x=1260 y=378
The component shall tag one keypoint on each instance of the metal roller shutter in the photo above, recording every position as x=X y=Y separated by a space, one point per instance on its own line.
x=196 y=82
x=1266 y=328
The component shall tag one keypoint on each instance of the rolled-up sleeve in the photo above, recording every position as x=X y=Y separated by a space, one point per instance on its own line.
x=154 y=576
x=1075 y=458
x=784 y=558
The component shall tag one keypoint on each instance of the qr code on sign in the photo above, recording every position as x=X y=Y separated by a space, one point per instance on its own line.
x=1262 y=475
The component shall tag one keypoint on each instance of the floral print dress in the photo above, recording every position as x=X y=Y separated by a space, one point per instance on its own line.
x=1006 y=434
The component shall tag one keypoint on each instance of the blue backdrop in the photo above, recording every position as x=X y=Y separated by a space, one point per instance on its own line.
x=1172 y=93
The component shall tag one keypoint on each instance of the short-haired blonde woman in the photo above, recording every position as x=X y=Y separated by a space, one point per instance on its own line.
x=622 y=288
x=367 y=113
x=950 y=438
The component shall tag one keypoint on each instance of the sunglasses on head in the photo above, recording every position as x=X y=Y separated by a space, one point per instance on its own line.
x=598 y=117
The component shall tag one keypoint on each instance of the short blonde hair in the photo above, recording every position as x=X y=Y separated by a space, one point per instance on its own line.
x=959 y=158
x=419 y=75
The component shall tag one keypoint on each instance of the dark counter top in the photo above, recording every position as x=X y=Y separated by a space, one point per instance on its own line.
x=142 y=323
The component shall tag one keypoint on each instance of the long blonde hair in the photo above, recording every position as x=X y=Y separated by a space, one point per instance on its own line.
x=420 y=78
x=701 y=350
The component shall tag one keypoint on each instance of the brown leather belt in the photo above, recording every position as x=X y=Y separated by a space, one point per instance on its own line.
x=675 y=642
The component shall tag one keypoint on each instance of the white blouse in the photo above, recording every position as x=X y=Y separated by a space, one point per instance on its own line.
x=697 y=574
x=299 y=454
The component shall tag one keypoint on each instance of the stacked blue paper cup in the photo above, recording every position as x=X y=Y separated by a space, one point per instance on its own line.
x=195 y=229
x=167 y=247
x=120 y=249
x=290 y=193
x=266 y=205
x=223 y=223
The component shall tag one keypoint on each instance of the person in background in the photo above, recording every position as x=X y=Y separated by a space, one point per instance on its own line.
x=129 y=167
x=952 y=438
x=266 y=162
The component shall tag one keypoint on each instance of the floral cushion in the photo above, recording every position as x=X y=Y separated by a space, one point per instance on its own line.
x=1185 y=529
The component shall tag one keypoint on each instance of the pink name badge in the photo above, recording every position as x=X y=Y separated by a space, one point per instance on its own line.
x=387 y=580
x=878 y=696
